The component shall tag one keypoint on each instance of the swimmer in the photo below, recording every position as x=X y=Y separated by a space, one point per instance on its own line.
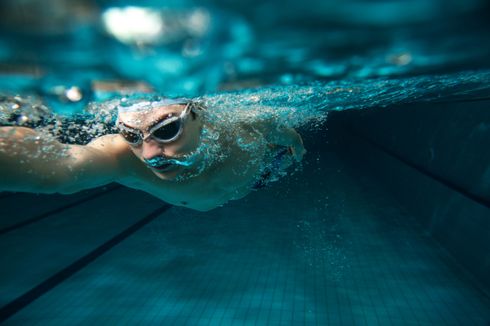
x=165 y=147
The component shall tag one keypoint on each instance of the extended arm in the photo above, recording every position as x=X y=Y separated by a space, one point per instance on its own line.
x=33 y=163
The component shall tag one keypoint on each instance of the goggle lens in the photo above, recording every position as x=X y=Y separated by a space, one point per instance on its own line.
x=131 y=137
x=168 y=131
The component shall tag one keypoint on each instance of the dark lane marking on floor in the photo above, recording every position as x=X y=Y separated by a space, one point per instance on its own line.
x=55 y=211
x=7 y=194
x=24 y=300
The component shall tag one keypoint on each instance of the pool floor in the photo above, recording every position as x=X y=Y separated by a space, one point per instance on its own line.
x=324 y=247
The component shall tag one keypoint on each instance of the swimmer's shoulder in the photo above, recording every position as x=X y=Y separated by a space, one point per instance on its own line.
x=112 y=144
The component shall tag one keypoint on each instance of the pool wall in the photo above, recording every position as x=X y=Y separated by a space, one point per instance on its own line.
x=434 y=159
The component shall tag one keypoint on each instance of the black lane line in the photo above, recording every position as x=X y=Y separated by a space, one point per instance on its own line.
x=55 y=211
x=25 y=299
x=472 y=278
x=451 y=185
x=6 y=195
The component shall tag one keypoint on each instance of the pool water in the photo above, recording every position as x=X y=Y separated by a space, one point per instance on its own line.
x=386 y=222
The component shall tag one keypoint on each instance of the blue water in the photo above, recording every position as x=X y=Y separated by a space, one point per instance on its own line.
x=205 y=48
x=329 y=244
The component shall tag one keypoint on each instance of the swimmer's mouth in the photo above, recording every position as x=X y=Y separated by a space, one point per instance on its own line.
x=162 y=168
x=162 y=164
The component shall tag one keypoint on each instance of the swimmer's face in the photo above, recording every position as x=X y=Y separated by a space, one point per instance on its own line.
x=151 y=149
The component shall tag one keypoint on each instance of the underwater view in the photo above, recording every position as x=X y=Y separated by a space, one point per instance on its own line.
x=219 y=162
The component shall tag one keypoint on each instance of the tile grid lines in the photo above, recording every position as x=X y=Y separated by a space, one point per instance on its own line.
x=339 y=317
x=434 y=302
x=247 y=283
x=242 y=285
x=371 y=259
x=456 y=188
x=197 y=307
x=461 y=276
x=382 y=305
x=427 y=294
x=214 y=315
x=143 y=303
x=457 y=270
x=156 y=312
x=274 y=295
x=386 y=260
x=315 y=310
x=392 y=271
x=304 y=285
x=275 y=291
x=27 y=298
x=442 y=299
x=354 y=284
x=375 y=262
x=421 y=303
x=252 y=282
x=309 y=280
x=430 y=256
x=323 y=281
x=266 y=289
x=382 y=287
x=253 y=286
x=347 y=285
x=294 y=294
x=288 y=264
x=210 y=285
x=238 y=276
x=362 y=278
x=395 y=275
x=403 y=275
x=171 y=295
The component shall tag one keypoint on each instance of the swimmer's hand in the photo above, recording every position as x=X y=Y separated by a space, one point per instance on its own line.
x=297 y=149
x=283 y=136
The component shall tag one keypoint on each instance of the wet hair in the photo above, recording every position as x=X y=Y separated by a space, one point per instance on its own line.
x=142 y=105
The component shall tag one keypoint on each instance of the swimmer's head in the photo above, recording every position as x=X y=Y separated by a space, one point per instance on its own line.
x=164 y=134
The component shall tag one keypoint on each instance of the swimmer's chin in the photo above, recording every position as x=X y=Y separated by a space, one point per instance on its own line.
x=168 y=174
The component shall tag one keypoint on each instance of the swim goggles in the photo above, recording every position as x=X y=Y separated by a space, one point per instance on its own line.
x=164 y=131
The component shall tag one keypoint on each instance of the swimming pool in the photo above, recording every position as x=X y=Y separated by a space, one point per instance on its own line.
x=387 y=221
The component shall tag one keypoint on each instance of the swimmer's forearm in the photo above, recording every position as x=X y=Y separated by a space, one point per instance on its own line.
x=31 y=163
x=17 y=155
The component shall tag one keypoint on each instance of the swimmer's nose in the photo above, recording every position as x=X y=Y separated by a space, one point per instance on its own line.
x=151 y=149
